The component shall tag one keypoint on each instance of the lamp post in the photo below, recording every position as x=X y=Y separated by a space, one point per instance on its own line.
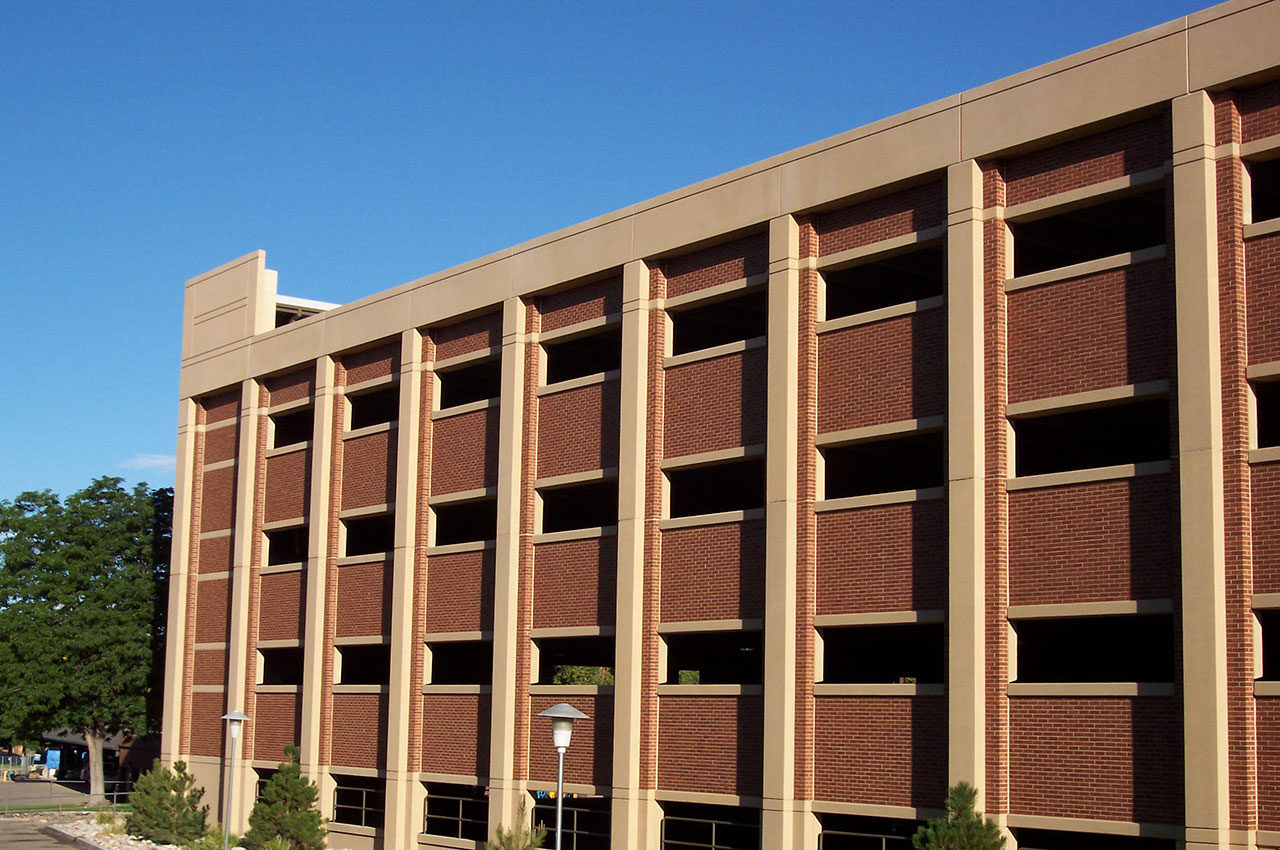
x=235 y=720
x=562 y=716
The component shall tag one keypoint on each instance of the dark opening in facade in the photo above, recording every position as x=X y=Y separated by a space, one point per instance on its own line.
x=590 y=505
x=1048 y=839
x=375 y=408
x=1266 y=395
x=1123 y=648
x=1112 y=226
x=1264 y=189
x=707 y=325
x=287 y=545
x=469 y=383
x=291 y=428
x=461 y=662
x=281 y=665
x=855 y=832
x=1132 y=432
x=695 y=826
x=911 y=461
x=586 y=821
x=359 y=800
x=370 y=535
x=456 y=811
x=588 y=354
x=715 y=658
x=905 y=653
x=1269 y=622
x=364 y=664
x=466 y=522
x=885 y=281
x=734 y=486
x=575 y=660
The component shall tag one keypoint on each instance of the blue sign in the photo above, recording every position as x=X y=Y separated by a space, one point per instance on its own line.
x=53 y=758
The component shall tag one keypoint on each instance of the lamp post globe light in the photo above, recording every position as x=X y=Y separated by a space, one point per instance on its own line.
x=235 y=722
x=562 y=716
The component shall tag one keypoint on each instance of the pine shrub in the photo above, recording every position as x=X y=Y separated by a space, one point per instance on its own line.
x=518 y=837
x=286 y=809
x=963 y=828
x=166 y=806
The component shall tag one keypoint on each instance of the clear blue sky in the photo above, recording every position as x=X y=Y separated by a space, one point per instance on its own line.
x=366 y=144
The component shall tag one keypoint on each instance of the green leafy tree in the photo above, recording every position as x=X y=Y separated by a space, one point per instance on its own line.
x=963 y=828
x=166 y=806
x=81 y=587
x=286 y=810
x=518 y=837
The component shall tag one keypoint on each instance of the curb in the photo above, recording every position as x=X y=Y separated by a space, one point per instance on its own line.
x=68 y=838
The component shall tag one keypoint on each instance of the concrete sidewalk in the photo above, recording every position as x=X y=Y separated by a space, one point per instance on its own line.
x=21 y=834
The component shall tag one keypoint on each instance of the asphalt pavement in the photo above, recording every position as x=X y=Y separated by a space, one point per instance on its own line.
x=14 y=794
x=19 y=834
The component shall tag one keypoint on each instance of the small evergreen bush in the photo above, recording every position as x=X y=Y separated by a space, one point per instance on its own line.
x=287 y=810
x=518 y=837
x=962 y=828
x=166 y=806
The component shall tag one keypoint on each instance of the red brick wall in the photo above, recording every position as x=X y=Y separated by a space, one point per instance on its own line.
x=210 y=667
x=292 y=387
x=222 y=406
x=369 y=470
x=590 y=759
x=455 y=734
x=651 y=644
x=898 y=214
x=580 y=304
x=275 y=725
x=1262 y=276
x=1110 y=758
x=360 y=736
x=465 y=455
x=806 y=520
x=1268 y=709
x=288 y=493
x=215 y=555
x=575 y=583
x=716 y=404
x=1088 y=333
x=1259 y=111
x=882 y=558
x=459 y=592
x=1266 y=528
x=1084 y=162
x=710 y=744
x=883 y=372
x=364 y=594
x=377 y=362
x=283 y=606
x=578 y=430
x=713 y=572
x=718 y=264
x=464 y=337
x=206 y=724
x=886 y=751
x=1094 y=542
x=220 y=443
x=218 y=506
x=213 y=598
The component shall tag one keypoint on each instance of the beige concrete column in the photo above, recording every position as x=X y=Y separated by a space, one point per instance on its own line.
x=1204 y=632
x=179 y=576
x=630 y=804
x=503 y=789
x=317 y=550
x=778 y=819
x=402 y=823
x=966 y=481
x=242 y=553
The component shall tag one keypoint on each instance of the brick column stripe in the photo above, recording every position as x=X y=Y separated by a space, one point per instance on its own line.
x=318 y=555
